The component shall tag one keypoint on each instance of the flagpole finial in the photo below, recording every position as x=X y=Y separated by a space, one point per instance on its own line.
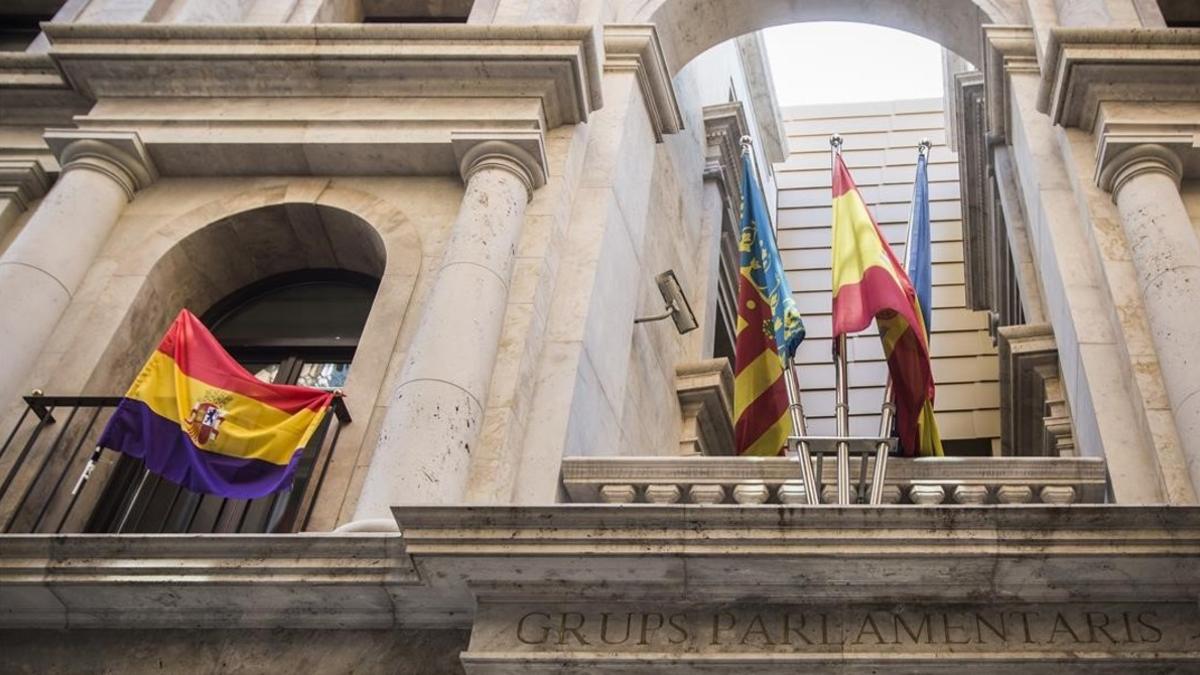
x=746 y=142
x=835 y=142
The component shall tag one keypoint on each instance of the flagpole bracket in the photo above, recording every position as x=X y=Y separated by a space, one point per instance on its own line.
x=835 y=142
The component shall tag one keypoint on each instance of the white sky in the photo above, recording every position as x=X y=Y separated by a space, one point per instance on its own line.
x=834 y=62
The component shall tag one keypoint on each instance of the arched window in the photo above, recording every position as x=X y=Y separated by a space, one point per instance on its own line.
x=295 y=328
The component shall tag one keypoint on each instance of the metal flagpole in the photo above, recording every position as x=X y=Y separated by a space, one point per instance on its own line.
x=888 y=413
x=842 y=410
x=796 y=440
x=812 y=494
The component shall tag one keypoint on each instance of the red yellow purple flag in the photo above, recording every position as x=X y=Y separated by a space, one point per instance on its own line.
x=870 y=283
x=200 y=420
x=769 y=330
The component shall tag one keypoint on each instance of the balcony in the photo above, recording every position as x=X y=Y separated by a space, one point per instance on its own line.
x=43 y=456
x=776 y=480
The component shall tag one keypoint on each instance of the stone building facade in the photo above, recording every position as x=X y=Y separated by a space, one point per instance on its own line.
x=455 y=210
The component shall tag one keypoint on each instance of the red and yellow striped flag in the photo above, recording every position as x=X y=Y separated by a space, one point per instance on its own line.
x=769 y=330
x=869 y=283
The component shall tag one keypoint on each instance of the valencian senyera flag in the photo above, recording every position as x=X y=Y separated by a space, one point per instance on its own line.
x=869 y=283
x=197 y=418
x=769 y=330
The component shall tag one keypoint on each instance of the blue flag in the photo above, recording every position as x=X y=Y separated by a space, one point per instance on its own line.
x=920 y=257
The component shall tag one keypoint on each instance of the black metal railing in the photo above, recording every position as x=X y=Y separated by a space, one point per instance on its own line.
x=47 y=449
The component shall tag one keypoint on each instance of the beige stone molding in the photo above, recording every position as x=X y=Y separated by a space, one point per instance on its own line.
x=635 y=48
x=1035 y=419
x=1085 y=67
x=33 y=92
x=705 y=391
x=22 y=180
x=1118 y=167
x=1007 y=50
x=585 y=478
x=973 y=172
x=448 y=560
x=119 y=155
x=724 y=126
x=556 y=64
x=520 y=153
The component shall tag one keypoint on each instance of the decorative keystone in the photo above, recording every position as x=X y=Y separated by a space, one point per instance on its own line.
x=751 y=493
x=829 y=494
x=927 y=495
x=1058 y=495
x=970 y=494
x=618 y=494
x=706 y=494
x=792 y=492
x=1014 y=494
x=662 y=494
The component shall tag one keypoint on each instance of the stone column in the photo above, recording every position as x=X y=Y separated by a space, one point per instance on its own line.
x=1144 y=181
x=21 y=182
x=43 y=267
x=436 y=412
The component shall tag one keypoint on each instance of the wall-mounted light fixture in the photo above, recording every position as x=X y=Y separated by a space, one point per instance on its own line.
x=677 y=309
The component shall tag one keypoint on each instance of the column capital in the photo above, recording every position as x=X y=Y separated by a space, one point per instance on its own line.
x=23 y=180
x=1138 y=160
x=120 y=155
x=520 y=153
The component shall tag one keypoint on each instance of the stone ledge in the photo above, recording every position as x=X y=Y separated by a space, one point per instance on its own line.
x=583 y=476
x=555 y=63
x=1084 y=67
x=449 y=559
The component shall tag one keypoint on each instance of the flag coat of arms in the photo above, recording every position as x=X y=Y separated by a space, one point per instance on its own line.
x=769 y=329
x=869 y=283
x=199 y=419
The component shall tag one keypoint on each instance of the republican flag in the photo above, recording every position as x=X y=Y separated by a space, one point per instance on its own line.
x=197 y=418
x=769 y=330
x=869 y=283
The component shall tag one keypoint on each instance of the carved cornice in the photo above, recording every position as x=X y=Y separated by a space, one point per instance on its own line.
x=724 y=126
x=1087 y=66
x=635 y=48
x=33 y=92
x=554 y=63
x=447 y=558
x=1007 y=49
x=22 y=180
x=1033 y=419
x=705 y=391
x=116 y=154
x=1137 y=160
x=522 y=154
x=973 y=156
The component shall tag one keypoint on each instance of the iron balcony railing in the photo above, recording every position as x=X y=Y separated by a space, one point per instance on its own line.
x=47 y=449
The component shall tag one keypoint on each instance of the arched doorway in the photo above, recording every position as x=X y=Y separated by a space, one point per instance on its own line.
x=300 y=327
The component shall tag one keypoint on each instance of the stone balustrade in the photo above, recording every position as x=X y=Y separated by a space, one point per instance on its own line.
x=776 y=480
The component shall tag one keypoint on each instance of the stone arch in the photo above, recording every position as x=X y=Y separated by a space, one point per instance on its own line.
x=218 y=248
x=689 y=27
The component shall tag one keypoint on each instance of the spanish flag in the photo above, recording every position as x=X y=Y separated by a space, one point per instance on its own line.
x=869 y=283
x=200 y=420
x=769 y=330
